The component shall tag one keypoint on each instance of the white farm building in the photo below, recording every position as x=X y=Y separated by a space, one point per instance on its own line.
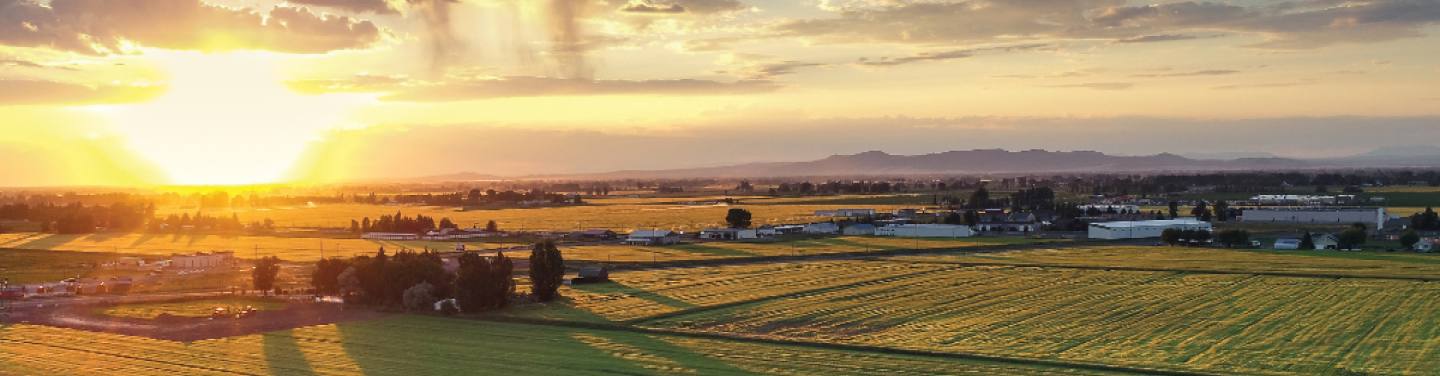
x=924 y=231
x=1143 y=229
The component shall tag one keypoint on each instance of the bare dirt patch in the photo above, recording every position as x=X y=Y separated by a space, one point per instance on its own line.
x=185 y=329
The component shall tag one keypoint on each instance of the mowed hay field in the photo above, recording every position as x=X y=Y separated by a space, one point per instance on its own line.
x=622 y=218
x=308 y=249
x=1328 y=263
x=1168 y=320
x=414 y=345
x=640 y=294
x=796 y=247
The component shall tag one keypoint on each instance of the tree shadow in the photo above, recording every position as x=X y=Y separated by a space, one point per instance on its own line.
x=283 y=356
x=142 y=239
x=195 y=238
x=47 y=242
x=680 y=355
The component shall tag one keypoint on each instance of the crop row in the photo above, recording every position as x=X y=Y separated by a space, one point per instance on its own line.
x=641 y=294
x=1231 y=323
x=1210 y=259
x=433 y=346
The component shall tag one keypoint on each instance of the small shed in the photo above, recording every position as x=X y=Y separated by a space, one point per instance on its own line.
x=592 y=274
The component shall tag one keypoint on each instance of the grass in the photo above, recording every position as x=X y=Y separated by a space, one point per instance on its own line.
x=1208 y=322
x=1356 y=264
x=187 y=308
x=415 y=345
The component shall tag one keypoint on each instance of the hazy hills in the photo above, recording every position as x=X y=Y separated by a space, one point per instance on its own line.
x=994 y=161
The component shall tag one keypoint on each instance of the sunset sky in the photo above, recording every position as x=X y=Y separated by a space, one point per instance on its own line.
x=235 y=92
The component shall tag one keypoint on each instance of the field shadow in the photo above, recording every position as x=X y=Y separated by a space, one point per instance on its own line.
x=283 y=356
x=196 y=238
x=143 y=239
x=102 y=237
x=682 y=356
x=709 y=250
x=619 y=288
x=47 y=242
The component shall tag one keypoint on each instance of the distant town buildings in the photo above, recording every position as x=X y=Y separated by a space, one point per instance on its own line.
x=845 y=213
x=924 y=231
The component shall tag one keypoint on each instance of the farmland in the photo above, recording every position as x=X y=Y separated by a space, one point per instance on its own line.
x=620 y=217
x=1210 y=322
x=449 y=346
x=647 y=293
x=1356 y=264
x=302 y=249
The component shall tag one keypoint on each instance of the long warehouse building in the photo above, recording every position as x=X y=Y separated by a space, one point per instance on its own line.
x=1374 y=217
x=1143 y=229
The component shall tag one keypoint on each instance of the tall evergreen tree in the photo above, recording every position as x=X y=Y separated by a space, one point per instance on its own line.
x=1307 y=241
x=547 y=271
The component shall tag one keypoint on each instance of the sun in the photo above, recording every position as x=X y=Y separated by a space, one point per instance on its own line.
x=227 y=119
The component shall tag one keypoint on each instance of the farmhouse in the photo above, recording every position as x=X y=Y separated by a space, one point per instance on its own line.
x=592 y=274
x=860 y=229
x=822 y=228
x=845 y=213
x=1143 y=229
x=1374 y=217
x=389 y=236
x=598 y=234
x=1327 y=241
x=1287 y=244
x=766 y=231
x=652 y=237
x=202 y=260
x=1426 y=245
x=924 y=231
x=720 y=233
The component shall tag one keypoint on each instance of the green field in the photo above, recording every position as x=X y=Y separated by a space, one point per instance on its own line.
x=1166 y=320
x=414 y=345
x=186 y=308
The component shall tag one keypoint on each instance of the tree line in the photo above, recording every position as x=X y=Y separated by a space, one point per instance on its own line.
x=417 y=280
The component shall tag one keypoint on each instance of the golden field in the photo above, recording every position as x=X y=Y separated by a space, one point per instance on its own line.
x=413 y=345
x=1357 y=264
x=1208 y=322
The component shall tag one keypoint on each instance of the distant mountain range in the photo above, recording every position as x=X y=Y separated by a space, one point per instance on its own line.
x=995 y=161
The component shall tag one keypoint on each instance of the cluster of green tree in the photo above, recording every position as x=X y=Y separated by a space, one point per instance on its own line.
x=1173 y=236
x=398 y=223
x=98 y=199
x=1233 y=238
x=416 y=280
x=738 y=218
x=1425 y=221
x=199 y=220
x=76 y=218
